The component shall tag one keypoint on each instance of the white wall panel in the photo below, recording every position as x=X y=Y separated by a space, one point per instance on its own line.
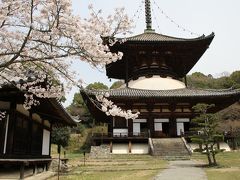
x=120 y=148
x=139 y=148
x=46 y=142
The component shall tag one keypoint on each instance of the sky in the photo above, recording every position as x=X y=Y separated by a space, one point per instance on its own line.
x=200 y=17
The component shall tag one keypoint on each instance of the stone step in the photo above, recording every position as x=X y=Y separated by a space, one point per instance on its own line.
x=170 y=147
x=176 y=158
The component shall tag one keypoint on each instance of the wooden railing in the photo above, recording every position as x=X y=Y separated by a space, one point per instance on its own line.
x=120 y=135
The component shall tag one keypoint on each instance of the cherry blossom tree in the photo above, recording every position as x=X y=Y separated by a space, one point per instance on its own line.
x=40 y=39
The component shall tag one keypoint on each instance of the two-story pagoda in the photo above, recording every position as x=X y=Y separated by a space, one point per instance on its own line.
x=154 y=68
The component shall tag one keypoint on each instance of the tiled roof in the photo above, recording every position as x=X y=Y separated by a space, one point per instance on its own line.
x=185 y=92
x=155 y=37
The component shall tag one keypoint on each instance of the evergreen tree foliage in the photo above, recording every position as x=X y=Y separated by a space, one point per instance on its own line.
x=235 y=77
x=199 y=80
x=60 y=136
x=117 y=84
x=205 y=124
x=78 y=106
x=97 y=85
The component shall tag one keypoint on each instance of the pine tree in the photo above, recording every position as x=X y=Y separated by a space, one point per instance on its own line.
x=205 y=124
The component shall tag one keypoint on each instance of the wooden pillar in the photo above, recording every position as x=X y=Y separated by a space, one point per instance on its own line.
x=2 y=134
x=172 y=127
x=110 y=127
x=129 y=147
x=42 y=127
x=172 y=122
x=151 y=125
x=130 y=127
x=126 y=75
x=30 y=121
x=150 y=120
x=111 y=144
x=50 y=141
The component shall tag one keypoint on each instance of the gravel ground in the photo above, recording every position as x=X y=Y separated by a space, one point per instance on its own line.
x=182 y=170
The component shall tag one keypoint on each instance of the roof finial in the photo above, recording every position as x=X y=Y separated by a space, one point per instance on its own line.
x=148 y=15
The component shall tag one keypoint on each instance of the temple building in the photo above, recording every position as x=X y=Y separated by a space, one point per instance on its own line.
x=25 y=135
x=154 y=67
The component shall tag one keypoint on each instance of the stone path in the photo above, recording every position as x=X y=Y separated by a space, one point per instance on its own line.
x=182 y=170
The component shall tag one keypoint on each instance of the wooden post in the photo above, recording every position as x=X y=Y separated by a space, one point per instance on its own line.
x=59 y=154
x=44 y=167
x=185 y=81
x=130 y=147
x=22 y=171
x=234 y=143
x=84 y=156
x=111 y=144
x=35 y=169
x=218 y=145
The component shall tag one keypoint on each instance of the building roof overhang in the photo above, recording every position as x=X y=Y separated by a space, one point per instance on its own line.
x=125 y=96
x=151 y=36
x=179 y=54
x=175 y=93
x=49 y=108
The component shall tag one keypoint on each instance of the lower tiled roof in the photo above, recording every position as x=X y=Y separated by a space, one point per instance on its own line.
x=185 y=92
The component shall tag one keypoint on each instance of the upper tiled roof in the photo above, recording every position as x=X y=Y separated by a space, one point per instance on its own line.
x=185 y=92
x=155 y=37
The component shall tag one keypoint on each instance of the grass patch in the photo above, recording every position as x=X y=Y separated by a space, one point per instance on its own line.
x=142 y=167
x=228 y=166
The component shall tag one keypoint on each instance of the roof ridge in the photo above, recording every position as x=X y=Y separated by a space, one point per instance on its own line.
x=146 y=36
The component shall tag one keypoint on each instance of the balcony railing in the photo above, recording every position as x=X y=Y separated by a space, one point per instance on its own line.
x=120 y=135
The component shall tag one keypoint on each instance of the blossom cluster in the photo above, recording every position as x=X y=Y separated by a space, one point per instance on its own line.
x=2 y=115
x=111 y=109
x=45 y=38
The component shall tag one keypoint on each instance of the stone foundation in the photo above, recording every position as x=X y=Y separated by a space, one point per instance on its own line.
x=102 y=151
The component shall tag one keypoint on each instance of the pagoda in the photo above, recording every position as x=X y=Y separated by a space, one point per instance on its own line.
x=154 y=68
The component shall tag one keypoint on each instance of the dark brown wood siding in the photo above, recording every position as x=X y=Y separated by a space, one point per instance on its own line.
x=20 y=138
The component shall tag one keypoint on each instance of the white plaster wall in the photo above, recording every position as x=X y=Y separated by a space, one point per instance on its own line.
x=118 y=132
x=223 y=145
x=183 y=120
x=6 y=135
x=139 y=148
x=156 y=83
x=46 y=142
x=180 y=127
x=136 y=129
x=161 y=120
x=158 y=126
x=120 y=148
x=139 y=120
